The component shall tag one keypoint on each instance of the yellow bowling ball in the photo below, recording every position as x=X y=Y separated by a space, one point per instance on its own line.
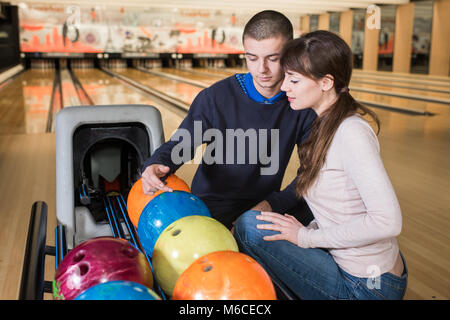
x=183 y=242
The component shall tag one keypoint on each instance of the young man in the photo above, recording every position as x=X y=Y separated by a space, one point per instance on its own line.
x=249 y=129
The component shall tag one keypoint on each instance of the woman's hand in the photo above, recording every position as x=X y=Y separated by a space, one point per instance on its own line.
x=286 y=224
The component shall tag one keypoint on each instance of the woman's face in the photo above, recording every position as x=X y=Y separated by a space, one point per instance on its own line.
x=302 y=92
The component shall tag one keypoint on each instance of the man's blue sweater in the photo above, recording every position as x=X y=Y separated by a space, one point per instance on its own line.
x=234 y=183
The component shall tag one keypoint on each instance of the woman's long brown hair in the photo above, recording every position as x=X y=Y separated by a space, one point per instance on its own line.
x=316 y=55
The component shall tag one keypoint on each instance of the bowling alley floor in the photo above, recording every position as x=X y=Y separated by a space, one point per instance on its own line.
x=415 y=151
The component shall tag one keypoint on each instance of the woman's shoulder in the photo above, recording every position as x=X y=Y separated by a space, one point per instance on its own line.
x=355 y=129
x=354 y=124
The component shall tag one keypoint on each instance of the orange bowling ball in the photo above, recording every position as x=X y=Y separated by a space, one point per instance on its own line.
x=224 y=275
x=137 y=199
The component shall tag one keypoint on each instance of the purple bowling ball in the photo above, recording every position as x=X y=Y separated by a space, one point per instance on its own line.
x=97 y=261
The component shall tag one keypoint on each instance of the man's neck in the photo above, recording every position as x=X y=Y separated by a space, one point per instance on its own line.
x=268 y=92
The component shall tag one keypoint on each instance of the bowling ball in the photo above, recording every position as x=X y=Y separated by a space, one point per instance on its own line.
x=137 y=199
x=224 y=275
x=100 y=260
x=162 y=211
x=118 y=290
x=183 y=242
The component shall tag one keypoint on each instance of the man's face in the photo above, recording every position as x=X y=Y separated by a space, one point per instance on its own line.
x=263 y=62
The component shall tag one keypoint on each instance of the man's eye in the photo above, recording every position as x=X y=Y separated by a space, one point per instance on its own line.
x=273 y=59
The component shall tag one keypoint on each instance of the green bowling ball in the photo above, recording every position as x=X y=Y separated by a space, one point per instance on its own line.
x=183 y=242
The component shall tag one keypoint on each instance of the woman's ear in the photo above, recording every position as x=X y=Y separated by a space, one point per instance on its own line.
x=327 y=82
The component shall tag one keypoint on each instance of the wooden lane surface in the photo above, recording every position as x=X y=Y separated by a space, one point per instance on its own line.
x=206 y=79
x=387 y=83
x=414 y=88
x=441 y=85
x=69 y=92
x=397 y=102
x=403 y=75
x=176 y=89
x=210 y=76
x=439 y=80
x=414 y=150
x=28 y=171
x=437 y=86
x=24 y=102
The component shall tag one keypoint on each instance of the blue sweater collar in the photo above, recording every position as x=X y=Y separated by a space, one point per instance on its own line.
x=255 y=95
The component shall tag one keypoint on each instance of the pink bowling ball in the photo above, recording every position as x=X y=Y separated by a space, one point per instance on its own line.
x=97 y=261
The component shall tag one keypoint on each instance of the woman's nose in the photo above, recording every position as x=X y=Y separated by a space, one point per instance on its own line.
x=284 y=85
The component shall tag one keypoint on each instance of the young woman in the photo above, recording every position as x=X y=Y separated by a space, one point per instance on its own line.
x=350 y=250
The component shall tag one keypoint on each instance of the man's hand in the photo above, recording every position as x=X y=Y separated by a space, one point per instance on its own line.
x=151 y=182
x=263 y=206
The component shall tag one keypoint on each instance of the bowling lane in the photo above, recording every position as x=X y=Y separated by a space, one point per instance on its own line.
x=25 y=101
x=175 y=89
x=369 y=97
x=415 y=152
x=403 y=88
x=184 y=73
x=437 y=89
x=218 y=73
x=105 y=90
x=397 y=102
x=69 y=92
x=418 y=86
x=27 y=168
x=404 y=76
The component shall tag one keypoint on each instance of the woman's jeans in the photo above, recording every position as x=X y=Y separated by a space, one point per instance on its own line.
x=311 y=273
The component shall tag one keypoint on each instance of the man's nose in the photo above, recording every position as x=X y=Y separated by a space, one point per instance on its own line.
x=262 y=66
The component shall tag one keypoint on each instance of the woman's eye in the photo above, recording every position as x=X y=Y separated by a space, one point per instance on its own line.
x=294 y=81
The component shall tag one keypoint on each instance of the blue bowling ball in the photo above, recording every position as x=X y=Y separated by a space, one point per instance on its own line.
x=164 y=209
x=118 y=290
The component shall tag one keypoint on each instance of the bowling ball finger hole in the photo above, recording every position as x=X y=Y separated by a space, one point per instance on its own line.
x=78 y=257
x=176 y=232
x=84 y=268
x=207 y=268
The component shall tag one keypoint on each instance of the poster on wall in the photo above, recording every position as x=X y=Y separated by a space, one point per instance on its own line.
x=97 y=29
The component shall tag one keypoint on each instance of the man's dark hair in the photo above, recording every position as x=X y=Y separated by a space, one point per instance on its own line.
x=268 y=24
